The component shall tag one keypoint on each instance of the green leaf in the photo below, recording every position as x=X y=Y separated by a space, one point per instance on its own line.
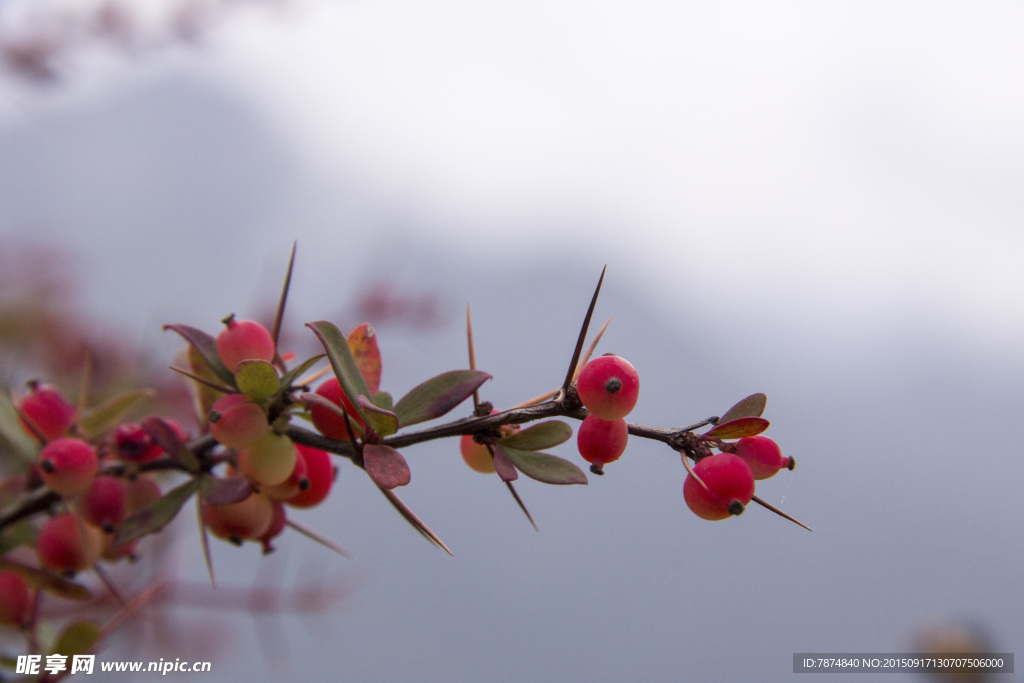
x=342 y=362
x=257 y=379
x=503 y=465
x=539 y=436
x=386 y=466
x=437 y=395
x=102 y=419
x=78 y=638
x=12 y=435
x=51 y=583
x=217 y=491
x=751 y=406
x=737 y=429
x=543 y=467
x=165 y=436
x=362 y=342
x=17 y=535
x=290 y=376
x=155 y=516
x=207 y=348
x=384 y=422
x=382 y=399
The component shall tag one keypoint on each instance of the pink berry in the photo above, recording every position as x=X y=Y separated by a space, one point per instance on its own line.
x=15 y=599
x=320 y=472
x=609 y=387
x=277 y=522
x=68 y=545
x=244 y=340
x=245 y=520
x=103 y=503
x=270 y=460
x=601 y=441
x=133 y=444
x=68 y=466
x=763 y=455
x=236 y=421
x=297 y=481
x=730 y=486
x=328 y=422
x=48 y=411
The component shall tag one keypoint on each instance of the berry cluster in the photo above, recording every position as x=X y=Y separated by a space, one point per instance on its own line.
x=608 y=386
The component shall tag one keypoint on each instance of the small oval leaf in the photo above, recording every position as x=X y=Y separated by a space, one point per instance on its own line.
x=544 y=467
x=155 y=515
x=257 y=379
x=539 y=436
x=737 y=429
x=362 y=342
x=503 y=466
x=751 y=406
x=437 y=395
x=386 y=466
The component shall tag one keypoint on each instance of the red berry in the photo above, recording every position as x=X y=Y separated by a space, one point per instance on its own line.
x=236 y=421
x=763 y=455
x=103 y=503
x=270 y=460
x=730 y=486
x=68 y=545
x=244 y=340
x=608 y=386
x=15 y=599
x=601 y=441
x=68 y=465
x=133 y=444
x=139 y=493
x=328 y=422
x=245 y=520
x=47 y=409
x=277 y=522
x=320 y=472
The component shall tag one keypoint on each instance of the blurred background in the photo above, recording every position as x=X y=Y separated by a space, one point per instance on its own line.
x=815 y=201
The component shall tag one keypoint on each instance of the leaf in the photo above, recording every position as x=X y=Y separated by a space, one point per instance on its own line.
x=51 y=583
x=362 y=342
x=155 y=516
x=386 y=466
x=289 y=377
x=166 y=437
x=207 y=348
x=543 y=467
x=17 y=535
x=382 y=399
x=217 y=491
x=437 y=395
x=539 y=436
x=751 y=406
x=101 y=419
x=78 y=638
x=384 y=422
x=12 y=435
x=737 y=429
x=206 y=385
x=257 y=379
x=503 y=465
x=342 y=362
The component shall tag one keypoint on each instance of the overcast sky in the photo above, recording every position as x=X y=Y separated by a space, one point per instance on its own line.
x=817 y=201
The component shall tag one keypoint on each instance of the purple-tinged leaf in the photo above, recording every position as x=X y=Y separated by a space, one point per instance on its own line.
x=437 y=395
x=384 y=422
x=103 y=418
x=415 y=521
x=362 y=342
x=207 y=348
x=503 y=466
x=737 y=429
x=43 y=580
x=751 y=406
x=344 y=365
x=386 y=466
x=166 y=437
x=539 y=436
x=217 y=491
x=155 y=516
x=546 y=468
